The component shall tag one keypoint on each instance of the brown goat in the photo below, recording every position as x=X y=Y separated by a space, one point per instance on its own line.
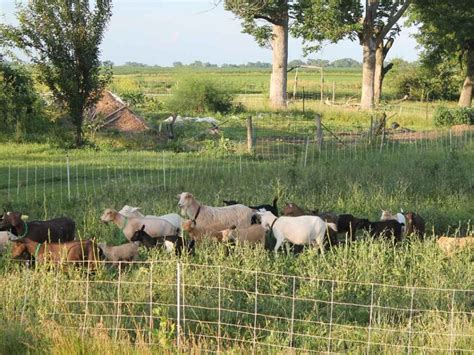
x=415 y=225
x=78 y=251
x=214 y=231
x=450 y=245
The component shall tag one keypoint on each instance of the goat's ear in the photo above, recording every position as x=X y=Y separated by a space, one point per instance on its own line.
x=143 y=228
x=178 y=196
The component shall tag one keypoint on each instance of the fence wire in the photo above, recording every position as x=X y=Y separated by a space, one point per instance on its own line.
x=222 y=308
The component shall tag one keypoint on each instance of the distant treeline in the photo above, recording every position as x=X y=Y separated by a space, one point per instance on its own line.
x=339 y=63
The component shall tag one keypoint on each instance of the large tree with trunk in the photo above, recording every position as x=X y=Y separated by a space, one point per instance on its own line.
x=62 y=38
x=268 y=22
x=372 y=22
x=446 y=30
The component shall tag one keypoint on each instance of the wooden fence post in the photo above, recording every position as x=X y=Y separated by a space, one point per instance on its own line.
x=319 y=132
x=371 y=130
x=333 y=92
x=249 y=135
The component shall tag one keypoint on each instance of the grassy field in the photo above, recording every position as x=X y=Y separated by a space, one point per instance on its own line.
x=367 y=297
x=251 y=87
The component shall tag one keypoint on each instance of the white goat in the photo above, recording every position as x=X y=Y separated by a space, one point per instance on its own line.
x=253 y=235
x=124 y=252
x=5 y=238
x=228 y=216
x=300 y=230
x=131 y=212
x=399 y=217
x=155 y=227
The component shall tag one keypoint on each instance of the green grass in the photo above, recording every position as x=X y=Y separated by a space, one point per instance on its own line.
x=251 y=87
x=433 y=178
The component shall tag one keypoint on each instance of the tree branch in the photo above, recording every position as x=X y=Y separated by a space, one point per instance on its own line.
x=268 y=19
x=393 y=19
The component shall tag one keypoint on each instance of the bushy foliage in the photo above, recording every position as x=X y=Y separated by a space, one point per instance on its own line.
x=197 y=95
x=417 y=81
x=444 y=116
x=21 y=108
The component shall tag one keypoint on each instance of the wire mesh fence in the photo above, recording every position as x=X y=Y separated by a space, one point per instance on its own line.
x=73 y=177
x=223 y=308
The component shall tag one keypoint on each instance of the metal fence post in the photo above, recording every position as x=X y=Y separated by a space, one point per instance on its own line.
x=178 y=305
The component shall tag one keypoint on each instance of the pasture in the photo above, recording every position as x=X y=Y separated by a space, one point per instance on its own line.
x=370 y=296
x=251 y=87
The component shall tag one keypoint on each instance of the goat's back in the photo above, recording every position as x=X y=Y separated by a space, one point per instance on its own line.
x=55 y=230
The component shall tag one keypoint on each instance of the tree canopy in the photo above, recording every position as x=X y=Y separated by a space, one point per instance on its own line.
x=446 y=31
x=62 y=40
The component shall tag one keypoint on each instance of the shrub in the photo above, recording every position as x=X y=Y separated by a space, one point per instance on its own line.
x=195 y=95
x=440 y=83
x=22 y=111
x=444 y=116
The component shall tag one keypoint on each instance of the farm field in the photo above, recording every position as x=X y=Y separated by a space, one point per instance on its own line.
x=369 y=296
x=251 y=87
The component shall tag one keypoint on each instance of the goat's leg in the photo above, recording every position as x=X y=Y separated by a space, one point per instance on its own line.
x=321 y=247
x=278 y=244
x=179 y=246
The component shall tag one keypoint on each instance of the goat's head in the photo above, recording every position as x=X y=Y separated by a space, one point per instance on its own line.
x=184 y=199
x=266 y=219
x=189 y=225
x=386 y=215
x=292 y=209
x=108 y=215
x=130 y=211
x=228 y=235
x=11 y=220
x=139 y=235
x=409 y=217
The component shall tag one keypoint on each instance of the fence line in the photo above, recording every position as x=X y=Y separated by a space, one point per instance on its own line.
x=168 y=170
x=226 y=307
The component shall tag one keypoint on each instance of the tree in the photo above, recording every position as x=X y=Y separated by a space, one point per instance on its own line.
x=320 y=20
x=446 y=30
x=62 y=39
x=268 y=22
x=21 y=108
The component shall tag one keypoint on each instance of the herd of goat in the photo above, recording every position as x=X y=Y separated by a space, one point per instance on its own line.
x=236 y=224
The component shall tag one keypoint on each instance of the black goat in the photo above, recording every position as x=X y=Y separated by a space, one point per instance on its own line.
x=387 y=229
x=347 y=223
x=159 y=242
x=56 y=230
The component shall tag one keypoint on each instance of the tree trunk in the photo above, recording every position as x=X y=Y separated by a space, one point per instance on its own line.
x=278 y=79
x=378 y=75
x=368 y=74
x=77 y=120
x=465 y=100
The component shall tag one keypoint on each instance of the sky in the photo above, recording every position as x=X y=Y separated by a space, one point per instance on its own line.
x=160 y=32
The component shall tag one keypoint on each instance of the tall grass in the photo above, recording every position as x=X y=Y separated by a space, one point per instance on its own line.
x=43 y=309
